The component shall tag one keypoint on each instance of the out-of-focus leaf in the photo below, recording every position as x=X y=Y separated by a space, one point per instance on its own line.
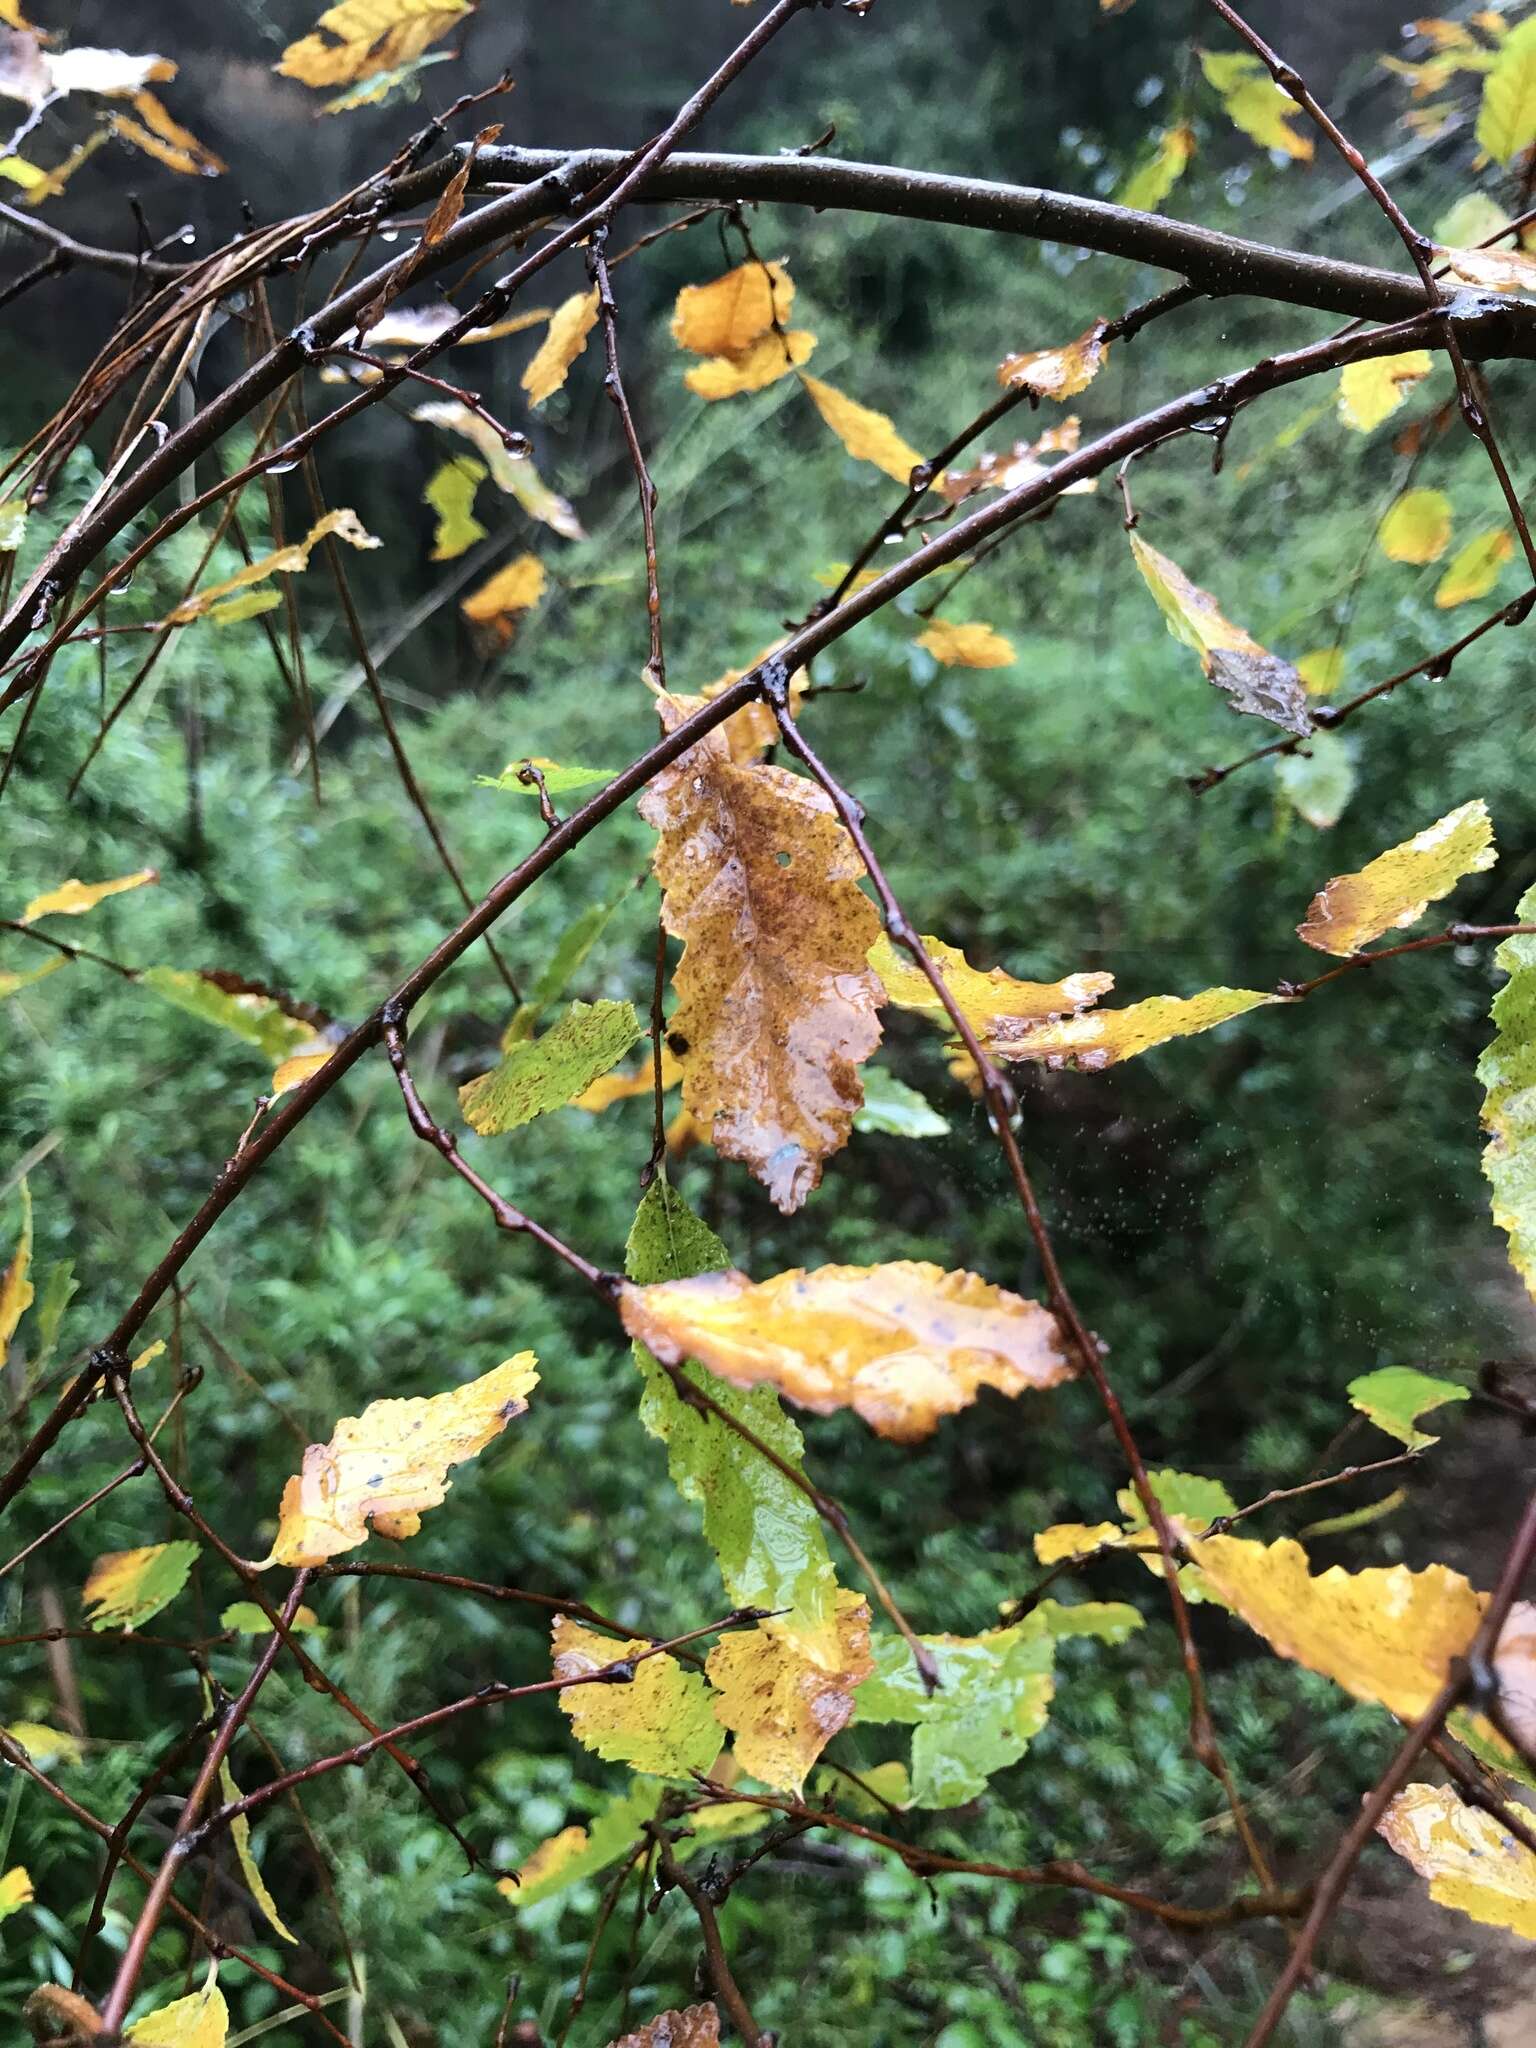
x=44 y=1745
x=497 y=604
x=1472 y=219
x=575 y=944
x=1396 y=888
x=1322 y=670
x=1507 y=1071
x=1473 y=1865
x=404 y=79
x=1101 y=1037
x=404 y=329
x=1058 y=372
x=359 y=38
x=199 y=2021
x=578 y=1852
x=971 y=645
x=1491 y=270
x=572 y=321
x=776 y=1004
x=240 y=1835
x=560 y=779
x=73 y=899
x=896 y=1110
x=450 y=492
x=299 y=1067
x=16 y=1289
x=1358 y=1518
x=611 y=1088
x=696 y=2026
x=16 y=1891
x=661 y=1721
x=784 y=1698
x=754 y=368
x=1319 y=781
x=58 y=1289
x=1253 y=679
x=127 y=1587
x=13 y=984
x=152 y=129
x=868 y=436
x=514 y=474
x=1024 y=463
x=1506 y=119
x=1474 y=569
x=1252 y=101
x=988 y=1000
x=901 y=1344
x=387 y=1464
x=1396 y=1396
x=539 y=1074
x=1417 y=528
x=872 y=1793
x=1372 y=391
x=1151 y=182
x=344 y=524
x=727 y=315
x=250 y=1013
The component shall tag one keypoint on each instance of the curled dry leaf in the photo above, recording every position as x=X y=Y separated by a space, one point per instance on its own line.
x=74 y=898
x=571 y=323
x=344 y=524
x=1255 y=680
x=151 y=129
x=387 y=1464
x=972 y=645
x=1473 y=1864
x=659 y=1719
x=901 y=1344
x=1372 y=391
x=776 y=1004
x=1396 y=888
x=869 y=436
x=726 y=316
x=127 y=1587
x=358 y=38
x=497 y=604
x=1507 y=1071
x=990 y=1001
x=1102 y=1037
x=1058 y=372
x=1474 y=569
x=784 y=1696
x=696 y=2026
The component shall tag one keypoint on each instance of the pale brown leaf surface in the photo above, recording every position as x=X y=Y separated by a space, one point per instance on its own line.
x=1024 y=462
x=990 y=1001
x=1104 y=1036
x=1255 y=680
x=1397 y=887
x=781 y=1699
x=1058 y=372
x=902 y=1344
x=776 y=1002
x=696 y=2026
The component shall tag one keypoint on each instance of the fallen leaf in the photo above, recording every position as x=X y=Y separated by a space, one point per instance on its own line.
x=901 y=1344
x=972 y=645
x=387 y=1464
x=1396 y=1396
x=1474 y=569
x=987 y=1000
x=696 y=2026
x=1417 y=527
x=539 y=1074
x=1396 y=888
x=1473 y=1865
x=127 y=1587
x=727 y=315
x=781 y=1699
x=73 y=899
x=1104 y=1036
x=292 y=560
x=1058 y=372
x=660 y=1721
x=754 y=368
x=1372 y=391
x=868 y=436
x=358 y=38
x=573 y=320
x=1255 y=680
x=497 y=604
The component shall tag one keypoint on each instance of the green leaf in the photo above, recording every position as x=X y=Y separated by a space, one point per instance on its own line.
x=13 y=524
x=1507 y=1071
x=128 y=1587
x=1108 y=1621
x=766 y=1536
x=1396 y=1396
x=560 y=779
x=575 y=943
x=451 y=494
x=57 y=1291
x=247 y=1619
x=1319 y=782
x=1506 y=120
x=240 y=1835
x=994 y=1695
x=257 y=1019
x=540 y=1074
x=1199 y=1501
x=578 y=1852
x=897 y=1110
x=877 y=1791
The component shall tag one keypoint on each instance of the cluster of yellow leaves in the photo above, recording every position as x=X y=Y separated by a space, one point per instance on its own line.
x=1397 y=887
x=218 y=604
x=384 y=1466
x=902 y=1344
x=359 y=38
x=1058 y=372
x=737 y=324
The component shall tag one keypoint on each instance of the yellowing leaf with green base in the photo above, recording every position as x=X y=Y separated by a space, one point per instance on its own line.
x=902 y=1344
x=1149 y=185
x=869 y=436
x=1058 y=372
x=1102 y=1037
x=573 y=320
x=1417 y=527
x=1473 y=1865
x=15 y=1891
x=540 y=1074
x=1396 y=1396
x=127 y=1587
x=1474 y=569
x=1507 y=1071
x=258 y=1018
x=201 y=2021
x=16 y=1290
x=660 y=1721
x=342 y=524
x=451 y=494
x=972 y=645
x=579 y=1852
x=240 y=1835
x=73 y=898
x=514 y=474
x=498 y=604
x=770 y=357
x=1396 y=888
x=1252 y=101
x=990 y=1001
x=1372 y=391
x=729 y=314
x=359 y=38
x=247 y=1619
x=388 y=1464
x=784 y=1698
x=1253 y=679
x=1506 y=119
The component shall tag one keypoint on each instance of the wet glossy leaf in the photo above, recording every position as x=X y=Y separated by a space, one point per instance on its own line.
x=1149 y=185
x=1473 y=1865
x=1024 y=463
x=972 y=645
x=16 y=1289
x=1058 y=372
x=389 y=1463
x=1372 y=391
x=776 y=1005
x=16 y=1891
x=1474 y=569
x=1255 y=680
x=1190 y=1503
x=868 y=436
x=902 y=1344
x=258 y=1018
x=1507 y=1071
x=784 y=1696
x=343 y=524
x=127 y=1587
x=1103 y=1036
x=730 y=313
x=450 y=492
x=661 y=1721
x=1491 y=270
x=1417 y=527
x=1396 y=1396
x=896 y=1110
x=539 y=1074
x=1396 y=888
x=1319 y=781
x=497 y=604
x=754 y=368
x=1253 y=102
x=200 y=2021
x=991 y=1002
x=573 y=320
x=73 y=899
x=359 y=38
x=240 y=1836
x=579 y=1852
x=697 y=2026
x=1506 y=119
x=514 y=474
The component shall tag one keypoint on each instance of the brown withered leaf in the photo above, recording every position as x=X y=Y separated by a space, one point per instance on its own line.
x=696 y=2026
x=1254 y=680
x=1397 y=887
x=776 y=1001
x=1058 y=372
x=780 y=1700
x=901 y=1344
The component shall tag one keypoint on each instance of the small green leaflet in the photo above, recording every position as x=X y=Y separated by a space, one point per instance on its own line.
x=255 y=1018
x=575 y=943
x=1318 y=782
x=994 y=1696
x=540 y=1074
x=560 y=779
x=766 y=1536
x=451 y=494
x=1507 y=1071
x=899 y=1111
x=1198 y=1502
x=877 y=1790
x=130 y=1587
x=580 y=1852
x=247 y=1619
x=1396 y=1396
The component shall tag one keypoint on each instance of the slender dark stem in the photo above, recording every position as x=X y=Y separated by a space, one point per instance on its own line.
x=613 y=384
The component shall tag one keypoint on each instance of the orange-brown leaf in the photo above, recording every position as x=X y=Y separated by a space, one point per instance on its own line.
x=1398 y=886
x=696 y=2026
x=784 y=1697
x=1058 y=372
x=727 y=315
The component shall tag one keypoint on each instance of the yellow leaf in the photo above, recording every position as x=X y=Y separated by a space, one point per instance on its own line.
x=867 y=435
x=360 y=37
x=1492 y=270
x=21 y=173
x=15 y=1891
x=514 y=474
x=1253 y=679
x=450 y=492
x=569 y=327
x=390 y=1462
x=1474 y=569
x=1147 y=188
x=1372 y=391
x=610 y=1088
x=44 y=1745
x=127 y=1587
x=73 y=899
x=752 y=730
x=240 y=1835
x=1397 y=887
x=1417 y=527
x=201 y=2021
x=289 y=561
x=696 y=2026
x=1472 y=1865
x=1255 y=103
x=1058 y=372
x=760 y=880
x=16 y=1289
x=901 y=1344
x=159 y=136
x=986 y=999
x=661 y=1721
x=761 y=363
x=726 y=316
x=1102 y=1037
x=1386 y=1635
x=1322 y=670
x=1079 y=1539
x=969 y=646
x=784 y=1703
x=296 y=1069
x=499 y=602
x=1506 y=120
